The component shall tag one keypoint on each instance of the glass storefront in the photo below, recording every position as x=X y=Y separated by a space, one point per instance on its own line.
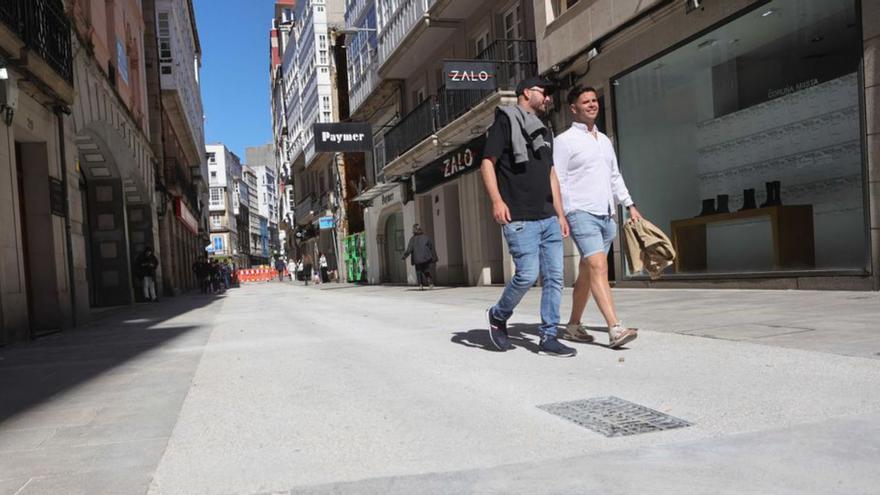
x=745 y=144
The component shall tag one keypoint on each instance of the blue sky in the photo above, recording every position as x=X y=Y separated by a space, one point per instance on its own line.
x=235 y=71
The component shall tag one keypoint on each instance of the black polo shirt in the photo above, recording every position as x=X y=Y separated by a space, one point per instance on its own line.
x=525 y=187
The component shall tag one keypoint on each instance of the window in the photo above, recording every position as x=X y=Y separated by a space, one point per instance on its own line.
x=326 y=116
x=764 y=145
x=213 y=173
x=216 y=196
x=216 y=222
x=212 y=158
x=481 y=42
x=322 y=57
x=558 y=7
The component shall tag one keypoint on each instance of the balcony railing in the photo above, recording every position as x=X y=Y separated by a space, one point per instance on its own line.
x=44 y=28
x=514 y=61
x=415 y=126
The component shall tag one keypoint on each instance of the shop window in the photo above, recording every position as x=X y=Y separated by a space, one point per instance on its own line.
x=745 y=143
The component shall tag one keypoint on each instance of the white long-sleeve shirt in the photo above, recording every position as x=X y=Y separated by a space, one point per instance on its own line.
x=589 y=178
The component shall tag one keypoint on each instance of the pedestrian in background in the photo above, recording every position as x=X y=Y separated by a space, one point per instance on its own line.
x=291 y=269
x=324 y=267
x=203 y=274
x=146 y=264
x=307 y=268
x=422 y=255
x=279 y=267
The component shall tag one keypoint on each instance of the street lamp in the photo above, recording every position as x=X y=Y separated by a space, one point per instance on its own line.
x=352 y=30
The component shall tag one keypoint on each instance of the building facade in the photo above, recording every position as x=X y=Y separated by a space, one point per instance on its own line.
x=43 y=264
x=177 y=131
x=427 y=136
x=258 y=225
x=223 y=168
x=117 y=158
x=306 y=92
x=261 y=160
x=744 y=129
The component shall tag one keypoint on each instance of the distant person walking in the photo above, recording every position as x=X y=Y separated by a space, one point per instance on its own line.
x=324 y=267
x=146 y=264
x=291 y=269
x=422 y=255
x=307 y=267
x=280 y=266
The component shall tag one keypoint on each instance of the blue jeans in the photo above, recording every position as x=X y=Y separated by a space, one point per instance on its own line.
x=536 y=248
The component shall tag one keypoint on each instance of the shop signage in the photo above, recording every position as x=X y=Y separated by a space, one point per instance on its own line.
x=185 y=216
x=469 y=74
x=325 y=223
x=343 y=136
x=449 y=166
x=57 y=204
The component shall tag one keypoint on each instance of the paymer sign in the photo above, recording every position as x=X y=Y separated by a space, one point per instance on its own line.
x=343 y=136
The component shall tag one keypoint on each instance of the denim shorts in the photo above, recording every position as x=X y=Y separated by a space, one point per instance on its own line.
x=591 y=233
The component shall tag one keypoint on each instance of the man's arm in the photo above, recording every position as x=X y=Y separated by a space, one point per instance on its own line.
x=500 y=211
x=557 y=202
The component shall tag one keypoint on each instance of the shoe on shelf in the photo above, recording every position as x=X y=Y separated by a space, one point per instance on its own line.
x=618 y=335
x=498 y=332
x=576 y=332
x=551 y=346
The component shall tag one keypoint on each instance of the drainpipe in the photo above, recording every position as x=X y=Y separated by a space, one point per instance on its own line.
x=59 y=111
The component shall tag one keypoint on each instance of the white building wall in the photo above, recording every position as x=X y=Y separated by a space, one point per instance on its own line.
x=179 y=64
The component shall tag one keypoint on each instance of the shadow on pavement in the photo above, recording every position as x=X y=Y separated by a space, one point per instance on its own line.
x=520 y=335
x=35 y=372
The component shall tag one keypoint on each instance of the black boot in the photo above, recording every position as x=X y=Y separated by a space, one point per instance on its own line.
x=748 y=200
x=708 y=207
x=721 y=206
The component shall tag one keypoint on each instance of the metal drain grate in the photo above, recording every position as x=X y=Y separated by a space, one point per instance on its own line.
x=614 y=417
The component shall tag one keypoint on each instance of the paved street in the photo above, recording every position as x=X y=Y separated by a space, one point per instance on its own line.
x=275 y=388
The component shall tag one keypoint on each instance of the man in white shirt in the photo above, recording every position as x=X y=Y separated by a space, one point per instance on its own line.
x=591 y=187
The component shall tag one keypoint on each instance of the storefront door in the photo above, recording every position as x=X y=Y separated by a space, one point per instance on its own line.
x=395 y=245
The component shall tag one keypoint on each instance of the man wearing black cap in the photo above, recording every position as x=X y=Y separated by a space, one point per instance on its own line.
x=518 y=174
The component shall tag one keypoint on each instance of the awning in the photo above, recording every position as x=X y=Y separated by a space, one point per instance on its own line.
x=376 y=191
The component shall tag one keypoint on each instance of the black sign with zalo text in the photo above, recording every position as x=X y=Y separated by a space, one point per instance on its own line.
x=451 y=165
x=469 y=74
x=343 y=136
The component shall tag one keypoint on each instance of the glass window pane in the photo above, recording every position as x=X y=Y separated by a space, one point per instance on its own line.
x=745 y=144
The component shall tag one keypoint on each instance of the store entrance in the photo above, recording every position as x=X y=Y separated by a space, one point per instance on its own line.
x=394 y=269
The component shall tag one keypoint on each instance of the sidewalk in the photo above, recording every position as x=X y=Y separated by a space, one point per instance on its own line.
x=276 y=388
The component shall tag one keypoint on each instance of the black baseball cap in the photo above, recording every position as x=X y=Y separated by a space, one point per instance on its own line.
x=535 y=82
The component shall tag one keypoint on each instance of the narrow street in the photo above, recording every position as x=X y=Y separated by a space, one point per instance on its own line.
x=276 y=388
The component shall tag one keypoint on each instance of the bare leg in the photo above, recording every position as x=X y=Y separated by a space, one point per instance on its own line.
x=581 y=293
x=598 y=264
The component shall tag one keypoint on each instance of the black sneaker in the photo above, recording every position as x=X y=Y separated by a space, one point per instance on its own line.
x=498 y=332
x=553 y=347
